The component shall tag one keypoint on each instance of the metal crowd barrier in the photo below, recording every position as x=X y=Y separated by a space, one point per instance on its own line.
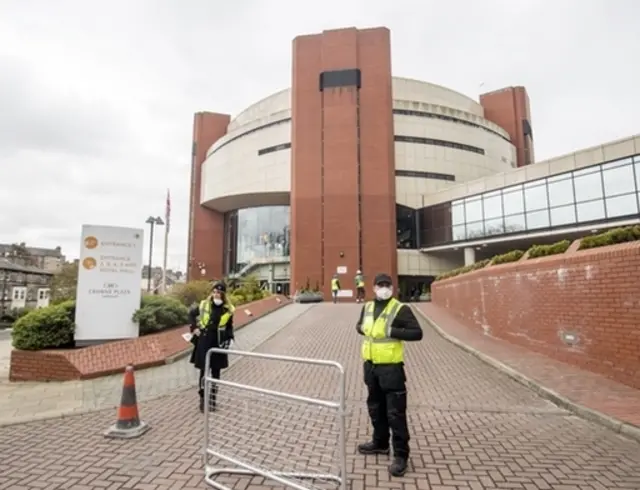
x=295 y=440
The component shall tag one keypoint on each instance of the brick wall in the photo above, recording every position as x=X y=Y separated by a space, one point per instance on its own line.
x=113 y=357
x=582 y=307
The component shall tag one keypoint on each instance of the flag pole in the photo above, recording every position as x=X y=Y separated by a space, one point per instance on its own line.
x=166 y=243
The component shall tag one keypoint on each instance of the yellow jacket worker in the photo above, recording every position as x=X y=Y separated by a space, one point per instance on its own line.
x=335 y=287
x=385 y=324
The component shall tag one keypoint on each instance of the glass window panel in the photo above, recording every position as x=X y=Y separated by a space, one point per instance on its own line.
x=621 y=205
x=535 y=198
x=458 y=233
x=475 y=230
x=560 y=193
x=494 y=226
x=492 y=204
x=588 y=187
x=617 y=163
x=563 y=215
x=538 y=219
x=514 y=223
x=457 y=213
x=590 y=211
x=513 y=202
x=618 y=180
x=262 y=232
x=473 y=210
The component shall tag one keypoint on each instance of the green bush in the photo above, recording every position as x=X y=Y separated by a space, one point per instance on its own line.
x=45 y=328
x=547 y=250
x=611 y=237
x=158 y=313
x=463 y=270
x=191 y=292
x=508 y=257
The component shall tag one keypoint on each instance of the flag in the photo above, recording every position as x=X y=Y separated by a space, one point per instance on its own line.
x=167 y=213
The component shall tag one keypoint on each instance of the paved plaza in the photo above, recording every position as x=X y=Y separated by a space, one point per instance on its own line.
x=472 y=426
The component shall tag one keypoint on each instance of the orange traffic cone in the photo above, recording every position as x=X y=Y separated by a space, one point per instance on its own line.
x=128 y=425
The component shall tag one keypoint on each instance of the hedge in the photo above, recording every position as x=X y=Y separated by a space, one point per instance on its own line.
x=45 y=328
x=159 y=313
x=54 y=326
x=508 y=257
x=611 y=237
x=463 y=270
x=243 y=292
x=537 y=251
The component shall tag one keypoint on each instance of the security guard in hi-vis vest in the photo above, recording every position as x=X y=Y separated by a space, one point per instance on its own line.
x=359 y=280
x=335 y=287
x=385 y=323
x=211 y=326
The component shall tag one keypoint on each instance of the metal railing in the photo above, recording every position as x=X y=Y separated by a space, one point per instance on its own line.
x=297 y=441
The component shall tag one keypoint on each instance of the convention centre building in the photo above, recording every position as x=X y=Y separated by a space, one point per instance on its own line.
x=352 y=168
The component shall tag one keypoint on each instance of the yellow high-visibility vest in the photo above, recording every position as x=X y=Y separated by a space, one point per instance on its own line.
x=377 y=346
x=205 y=314
x=334 y=285
x=359 y=281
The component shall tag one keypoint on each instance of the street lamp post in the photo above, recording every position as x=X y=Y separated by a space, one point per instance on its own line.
x=152 y=222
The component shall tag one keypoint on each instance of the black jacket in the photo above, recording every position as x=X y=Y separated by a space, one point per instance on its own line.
x=405 y=326
x=208 y=338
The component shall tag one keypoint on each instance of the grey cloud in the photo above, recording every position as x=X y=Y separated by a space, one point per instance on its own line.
x=107 y=156
x=34 y=118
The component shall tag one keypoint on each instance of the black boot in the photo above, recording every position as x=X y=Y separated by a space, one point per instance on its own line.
x=373 y=447
x=398 y=467
x=201 y=404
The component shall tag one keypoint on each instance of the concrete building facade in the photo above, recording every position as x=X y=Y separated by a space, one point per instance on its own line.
x=332 y=174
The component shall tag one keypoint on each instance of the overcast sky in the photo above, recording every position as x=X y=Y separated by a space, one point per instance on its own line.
x=97 y=98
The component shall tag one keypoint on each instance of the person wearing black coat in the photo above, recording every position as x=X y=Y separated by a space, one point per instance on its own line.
x=211 y=327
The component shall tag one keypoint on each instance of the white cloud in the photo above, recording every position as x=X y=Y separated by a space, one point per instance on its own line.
x=97 y=100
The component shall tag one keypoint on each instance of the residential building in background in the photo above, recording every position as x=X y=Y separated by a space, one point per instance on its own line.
x=352 y=168
x=173 y=277
x=48 y=259
x=23 y=287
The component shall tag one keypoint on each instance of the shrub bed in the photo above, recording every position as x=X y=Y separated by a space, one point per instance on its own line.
x=537 y=251
x=508 y=257
x=159 y=313
x=54 y=326
x=463 y=270
x=45 y=328
x=611 y=237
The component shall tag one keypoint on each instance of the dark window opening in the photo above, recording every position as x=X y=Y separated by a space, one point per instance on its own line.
x=435 y=142
x=406 y=236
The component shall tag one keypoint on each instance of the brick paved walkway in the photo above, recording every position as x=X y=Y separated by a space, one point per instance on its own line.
x=21 y=402
x=588 y=389
x=472 y=428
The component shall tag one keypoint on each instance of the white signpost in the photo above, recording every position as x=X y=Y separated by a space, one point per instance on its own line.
x=109 y=275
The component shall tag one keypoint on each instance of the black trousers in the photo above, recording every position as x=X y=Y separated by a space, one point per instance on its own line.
x=387 y=405
x=360 y=293
x=215 y=374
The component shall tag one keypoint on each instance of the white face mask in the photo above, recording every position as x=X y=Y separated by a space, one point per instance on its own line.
x=217 y=301
x=384 y=293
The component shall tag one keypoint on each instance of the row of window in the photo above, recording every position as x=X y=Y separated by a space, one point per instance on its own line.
x=598 y=192
x=272 y=149
x=442 y=117
x=398 y=138
x=425 y=175
x=434 y=142
x=21 y=277
x=22 y=294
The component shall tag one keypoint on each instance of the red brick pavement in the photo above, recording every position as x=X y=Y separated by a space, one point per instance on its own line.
x=473 y=428
x=585 y=388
